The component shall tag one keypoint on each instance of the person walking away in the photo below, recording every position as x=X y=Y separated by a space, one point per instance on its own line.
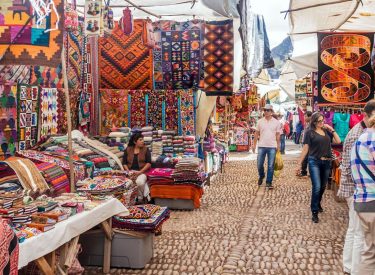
x=363 y=173
x=268 y=132
x=354 y=236
x=317 y=145
x=308 y=115
x=283 y=133
x=137 y=161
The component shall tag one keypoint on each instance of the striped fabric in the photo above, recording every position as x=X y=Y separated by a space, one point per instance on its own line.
x=55 y=177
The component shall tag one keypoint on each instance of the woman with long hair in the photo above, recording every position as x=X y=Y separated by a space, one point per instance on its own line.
x=137 y=161
x=317 y=145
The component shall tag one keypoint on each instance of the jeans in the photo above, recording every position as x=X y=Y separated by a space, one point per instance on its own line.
x=282 y=143
x=271 y=154
x=319 y=174
x=353 y=241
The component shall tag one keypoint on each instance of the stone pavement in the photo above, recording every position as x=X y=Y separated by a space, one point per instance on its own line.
x=243 y=229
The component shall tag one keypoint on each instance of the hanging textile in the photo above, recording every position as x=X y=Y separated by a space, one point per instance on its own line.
x=74 y=64
x=31 y=43
x=92 y=17
x=9 y=249
x=62 y=126
x=300 y=89
x=218 y=57
x=187 y=112
x=126 y=21
x=114 y=109
x=15 y=73
x=47 y=77
x=124 y=61
x=8 y=120
x=178 y=62
x=345 y=75
x=28 y=116
x=171 y=110
x=155 y=109
x=138 y=108
x=74 y=98
x=49 y=112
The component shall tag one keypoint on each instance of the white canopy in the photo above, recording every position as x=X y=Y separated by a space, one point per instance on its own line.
x=306 y=17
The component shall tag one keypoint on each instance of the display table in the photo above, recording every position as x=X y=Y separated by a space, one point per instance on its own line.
x=65 y=235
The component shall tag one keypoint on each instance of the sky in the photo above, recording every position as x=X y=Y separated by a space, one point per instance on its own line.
x=277 y=26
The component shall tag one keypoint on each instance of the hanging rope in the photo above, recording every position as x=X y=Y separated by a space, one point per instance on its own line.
x=42 y=9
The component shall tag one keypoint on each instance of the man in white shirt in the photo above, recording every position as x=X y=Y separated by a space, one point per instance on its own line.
x=268 y=132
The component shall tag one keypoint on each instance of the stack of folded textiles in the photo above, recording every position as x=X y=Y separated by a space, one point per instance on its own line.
x=160 y=176
x=178 y=145
x=167 y=139
x=190 y=147
x=147 y=133
x=55 y=177
x=189 y=171
x=157 y=150
x=119 y=138
x=145 y=218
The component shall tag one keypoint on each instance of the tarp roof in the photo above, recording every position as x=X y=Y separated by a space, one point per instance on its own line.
x=306 y=17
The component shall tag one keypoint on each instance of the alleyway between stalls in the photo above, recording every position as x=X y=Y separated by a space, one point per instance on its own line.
x=243 y=229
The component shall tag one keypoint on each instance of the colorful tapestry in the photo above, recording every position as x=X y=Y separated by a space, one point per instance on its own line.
x=124 y=61
x=62 y=126
x=218 y=58
x=49 y=112
x=15 y=73
x=9 y=249
x=177 y=54
x=171 y=110
x=114 y=109
x=28 y=116
x=8 y=120
x=138 y=108
x=345 y=74
x=155 y=109
x=74 y=98
x=187 y=112
x=31 y=44
x=74 y=64
x=47 y=77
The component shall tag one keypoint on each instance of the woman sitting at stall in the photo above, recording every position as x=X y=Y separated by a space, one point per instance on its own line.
x=137 y=161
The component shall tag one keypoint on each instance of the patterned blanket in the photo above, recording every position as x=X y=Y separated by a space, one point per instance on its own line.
x=187 y=117
x=124 y=61
x=49 y=112
x=218 y=58
x=31 y=44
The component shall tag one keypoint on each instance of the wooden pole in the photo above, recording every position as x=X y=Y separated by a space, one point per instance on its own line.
x=69 y=120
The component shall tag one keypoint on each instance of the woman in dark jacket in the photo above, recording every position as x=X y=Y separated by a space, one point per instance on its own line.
x=317 y=144
x=137 y=161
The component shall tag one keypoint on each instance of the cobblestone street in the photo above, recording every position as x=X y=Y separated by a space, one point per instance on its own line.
x=243 y=229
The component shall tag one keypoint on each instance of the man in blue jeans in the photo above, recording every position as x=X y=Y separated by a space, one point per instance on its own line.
x=268 y=133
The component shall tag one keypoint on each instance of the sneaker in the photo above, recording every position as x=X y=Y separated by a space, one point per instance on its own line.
x=260 y=182
x=269 y=186
x=315 y=217
x=320 y=209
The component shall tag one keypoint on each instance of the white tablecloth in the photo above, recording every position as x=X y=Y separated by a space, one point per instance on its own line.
x=43 y=244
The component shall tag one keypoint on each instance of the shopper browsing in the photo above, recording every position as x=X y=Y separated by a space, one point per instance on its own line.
x=354 y=235
x=137 y=161
x=307 y=115
x=268 y=132
x=317 y=144
x=363 y=173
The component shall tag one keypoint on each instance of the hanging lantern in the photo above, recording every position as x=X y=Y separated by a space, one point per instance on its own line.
x=126 y=21
x=71 y=18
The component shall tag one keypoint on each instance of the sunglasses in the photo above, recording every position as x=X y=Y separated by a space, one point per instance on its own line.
x=320 y=120
x=267 y=110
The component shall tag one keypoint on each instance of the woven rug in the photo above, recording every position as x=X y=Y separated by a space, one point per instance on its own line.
x=15 y=73
x=31 y=44
x=74 y=97
x=8 y=121
x=28 y=174
x=124 y=62
x=28 y=116
x=48 y=112
x=55 y=177
x=114 y=109
x=187 y=112
x=138 y=108
x=62 y=126
x=171 y=110
x=177 y=54
x=345 y=75
x=47 y=77
x=74 y=64
x=218 y=58
x=155 y=109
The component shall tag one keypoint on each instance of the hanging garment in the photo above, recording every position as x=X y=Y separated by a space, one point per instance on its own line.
x=328 y=117
x=355 y=119
x=126 y=21
x=341 y=124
